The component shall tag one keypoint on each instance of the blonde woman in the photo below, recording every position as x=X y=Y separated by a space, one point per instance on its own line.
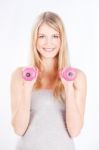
x=48 y=111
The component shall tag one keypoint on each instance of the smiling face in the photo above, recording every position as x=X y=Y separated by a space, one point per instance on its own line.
x=48 y=41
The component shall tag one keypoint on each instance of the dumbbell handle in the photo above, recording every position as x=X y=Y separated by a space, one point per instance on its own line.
x=69 y=74
x=29 y=73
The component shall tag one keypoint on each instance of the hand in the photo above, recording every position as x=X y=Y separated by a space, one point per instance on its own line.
x=67 y=76
x=29 y=75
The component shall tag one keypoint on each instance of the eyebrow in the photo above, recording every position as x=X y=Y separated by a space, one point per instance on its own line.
x=52 y=34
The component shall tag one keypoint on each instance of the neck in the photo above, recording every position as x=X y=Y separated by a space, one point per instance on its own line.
x=49 y=65
x=48 y=73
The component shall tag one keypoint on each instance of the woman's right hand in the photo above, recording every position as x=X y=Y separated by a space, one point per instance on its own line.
x=29 y=76
x=20 y=100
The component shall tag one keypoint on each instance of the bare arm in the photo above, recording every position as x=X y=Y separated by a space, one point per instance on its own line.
x=20 y=102
x=75 y=92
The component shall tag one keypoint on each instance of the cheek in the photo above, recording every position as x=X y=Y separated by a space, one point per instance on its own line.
x=58 y=43
x=38 y=45
x=40 y=42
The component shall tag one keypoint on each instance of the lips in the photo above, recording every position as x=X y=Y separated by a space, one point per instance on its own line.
x=48 y=49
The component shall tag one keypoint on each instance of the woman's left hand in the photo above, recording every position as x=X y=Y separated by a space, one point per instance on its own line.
x=67 y=83
x=75 y=91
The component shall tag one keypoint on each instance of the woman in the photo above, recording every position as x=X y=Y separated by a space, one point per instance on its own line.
x=48 y=111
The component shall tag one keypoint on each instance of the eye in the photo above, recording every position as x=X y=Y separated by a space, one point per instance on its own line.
x=56 y=36
x=41 y=36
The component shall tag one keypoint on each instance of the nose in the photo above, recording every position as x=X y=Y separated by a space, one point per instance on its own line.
x=48 y=41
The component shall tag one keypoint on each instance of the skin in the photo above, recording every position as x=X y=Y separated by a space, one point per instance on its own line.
x=48 y=45
x=75 y=91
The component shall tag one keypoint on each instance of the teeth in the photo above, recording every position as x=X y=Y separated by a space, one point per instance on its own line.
x=48 y=49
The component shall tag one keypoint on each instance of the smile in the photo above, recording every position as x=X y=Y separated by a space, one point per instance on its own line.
x=48 y=49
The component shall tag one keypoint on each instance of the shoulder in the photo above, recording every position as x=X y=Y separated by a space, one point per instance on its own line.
x=81 y=74
x=81 y=78
x=16 y=74
x=17 y=71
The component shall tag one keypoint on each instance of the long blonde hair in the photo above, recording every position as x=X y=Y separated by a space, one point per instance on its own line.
x=54 y=21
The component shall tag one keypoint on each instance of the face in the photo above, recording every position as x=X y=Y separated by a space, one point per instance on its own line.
x=48 y=41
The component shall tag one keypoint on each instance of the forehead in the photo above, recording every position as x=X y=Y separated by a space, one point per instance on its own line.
x=44 y=29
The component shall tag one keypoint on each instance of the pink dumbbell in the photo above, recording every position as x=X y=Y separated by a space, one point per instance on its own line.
x=69 y=74
x=29 y=73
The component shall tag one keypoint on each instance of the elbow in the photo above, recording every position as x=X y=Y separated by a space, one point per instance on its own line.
x=18 y=129
x=20 y=123
x=19 y=132
x=75 y=130
x=74 y=133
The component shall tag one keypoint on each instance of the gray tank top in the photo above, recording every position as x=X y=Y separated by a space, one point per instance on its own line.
x=47 y=128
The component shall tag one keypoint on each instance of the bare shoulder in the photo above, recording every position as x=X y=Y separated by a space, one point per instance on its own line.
x=17 y=71
x=81 y=74
x=81 y=77
x=16 y=75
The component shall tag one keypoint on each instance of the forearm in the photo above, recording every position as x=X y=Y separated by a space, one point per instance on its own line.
x=21 y=91
x=20 y=121
x=74 y=119
x=21 y=113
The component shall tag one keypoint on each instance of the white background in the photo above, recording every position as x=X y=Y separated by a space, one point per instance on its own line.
x=82 y=26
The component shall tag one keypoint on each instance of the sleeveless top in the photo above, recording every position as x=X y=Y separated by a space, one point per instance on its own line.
x=47 y=127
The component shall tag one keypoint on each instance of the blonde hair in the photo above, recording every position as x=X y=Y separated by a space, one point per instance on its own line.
x=54 y=21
